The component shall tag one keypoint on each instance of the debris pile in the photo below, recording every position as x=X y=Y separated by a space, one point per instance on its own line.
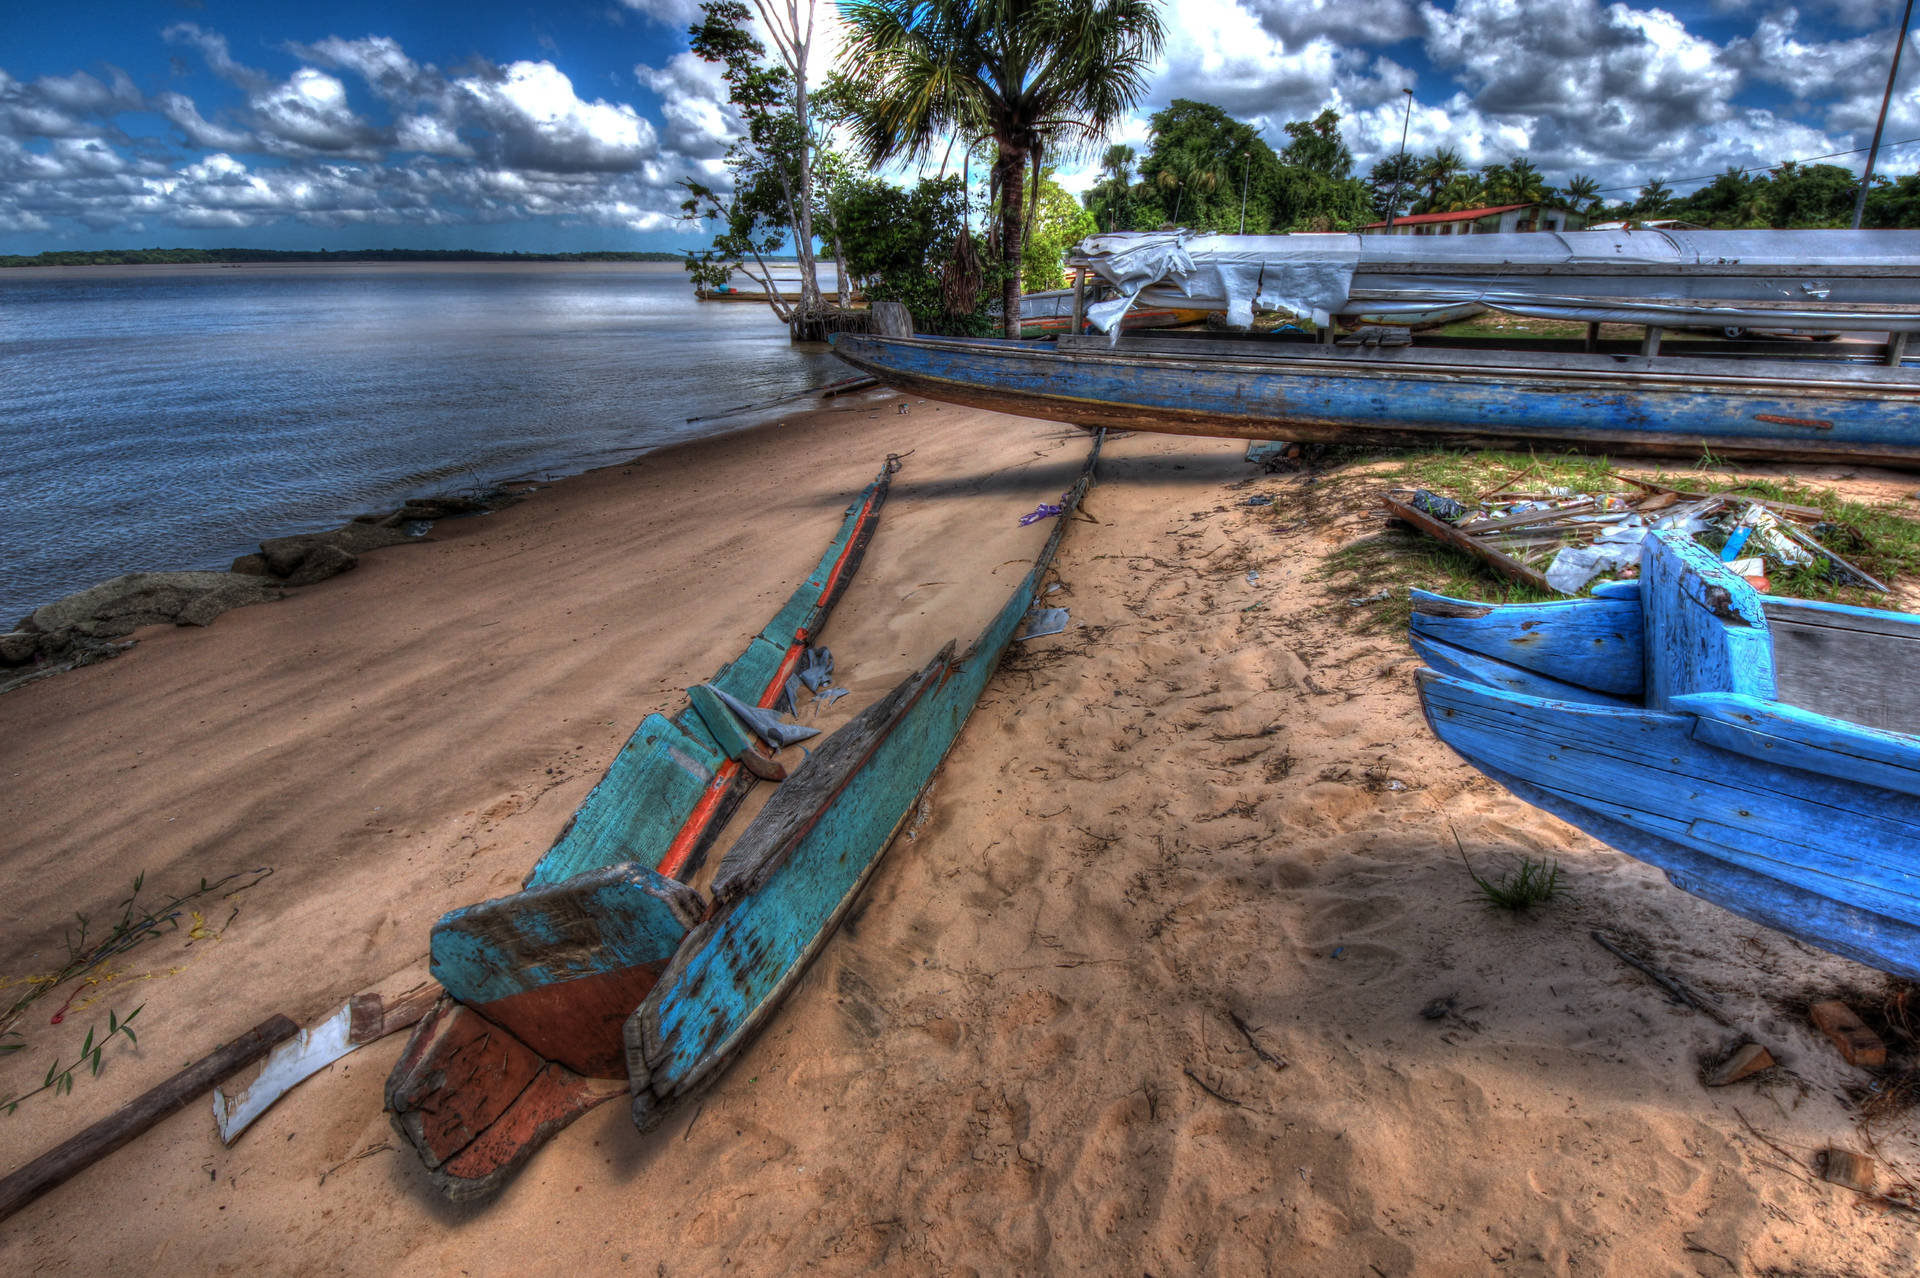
x=1560 y=540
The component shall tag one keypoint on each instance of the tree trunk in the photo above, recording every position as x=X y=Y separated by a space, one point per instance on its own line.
x=1013 y=225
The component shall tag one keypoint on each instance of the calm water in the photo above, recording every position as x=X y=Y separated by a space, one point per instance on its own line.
x=164 y=419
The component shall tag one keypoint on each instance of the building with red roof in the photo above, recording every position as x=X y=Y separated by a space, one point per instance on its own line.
x=1485 y=221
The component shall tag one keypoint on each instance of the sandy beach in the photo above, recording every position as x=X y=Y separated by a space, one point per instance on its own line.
x=1142 y=993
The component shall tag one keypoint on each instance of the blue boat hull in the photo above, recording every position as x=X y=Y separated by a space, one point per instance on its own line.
x=1653 y=724
x=1273 y=389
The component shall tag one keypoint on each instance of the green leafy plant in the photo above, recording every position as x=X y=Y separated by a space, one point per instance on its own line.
x=1531 y=883
x=136 y=925
x=59 y=1079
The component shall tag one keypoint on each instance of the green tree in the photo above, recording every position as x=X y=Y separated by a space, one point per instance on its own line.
x=1893 y=204
x=1110 y=199
x=1813 y=195
x=1438 y=169
x=907 y=245
x=1394 y=181
x=1203 y=167
x=1654 y=198
x=1060 y=224
x=773 y=164
x=1317 y=146
x=1315 y=189
x=1582 y=192
x=1035 y=76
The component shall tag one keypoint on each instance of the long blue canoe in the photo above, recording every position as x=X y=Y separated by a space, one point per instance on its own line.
x=1757 y=400
x=540 y=982
x=1760 y=750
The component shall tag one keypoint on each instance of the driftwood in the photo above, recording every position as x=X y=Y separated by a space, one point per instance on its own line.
x=134 y=1118
x=1667 y=981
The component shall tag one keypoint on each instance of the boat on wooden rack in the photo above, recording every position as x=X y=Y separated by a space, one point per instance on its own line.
x=1760 y=750
x=610 y=974
x=1846 y=401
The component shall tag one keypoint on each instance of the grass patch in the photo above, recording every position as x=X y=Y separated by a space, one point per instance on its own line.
x=1531 y=883
x=1398 y=559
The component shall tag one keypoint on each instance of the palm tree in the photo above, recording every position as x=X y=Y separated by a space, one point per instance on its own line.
x=1109 y=194
x=1035 y=76
x=1181 y=177
x=1525 y=185
x=1441 y=168
x=1582 y=190
x=1654 y=197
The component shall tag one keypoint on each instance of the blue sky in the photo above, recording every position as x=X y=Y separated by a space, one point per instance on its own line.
x=568 y=125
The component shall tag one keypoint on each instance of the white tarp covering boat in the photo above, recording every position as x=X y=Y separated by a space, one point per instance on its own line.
x=1826 y=279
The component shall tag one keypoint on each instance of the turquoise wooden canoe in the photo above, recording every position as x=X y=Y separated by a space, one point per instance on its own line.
x=541 y=982
x=1760 y=750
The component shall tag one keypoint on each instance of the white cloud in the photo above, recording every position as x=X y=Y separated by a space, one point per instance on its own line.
x=693 y=104
x=179 y=109
x=537 y=121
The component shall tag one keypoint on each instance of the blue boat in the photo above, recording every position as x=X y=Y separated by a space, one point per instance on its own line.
x=1777 y=400
x=1760 y=750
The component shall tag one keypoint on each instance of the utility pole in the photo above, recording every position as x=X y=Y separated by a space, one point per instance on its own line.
x=1246 y=171
x=1400 y=164
x=1873 y=152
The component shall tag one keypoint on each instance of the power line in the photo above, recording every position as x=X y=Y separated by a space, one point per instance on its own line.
x=1763 y=168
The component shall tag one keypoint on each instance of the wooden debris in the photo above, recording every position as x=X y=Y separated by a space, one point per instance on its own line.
x=1844 y=1167
x=137 y=1116
x=1673 y=985
x=1746 y=1061
x=1857 y=1044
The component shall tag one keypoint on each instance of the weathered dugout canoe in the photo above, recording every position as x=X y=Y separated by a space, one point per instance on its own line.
x=1762 y=403
x=783 y=888
x=541 y=982
x=1760 y=750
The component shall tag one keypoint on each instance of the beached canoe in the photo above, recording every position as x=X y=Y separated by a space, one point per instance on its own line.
x=1776 y=400
x=540 y=983
x=606 y=978
x=1760 y=750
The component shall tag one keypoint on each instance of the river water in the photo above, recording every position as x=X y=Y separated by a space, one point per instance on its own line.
x=164 y=418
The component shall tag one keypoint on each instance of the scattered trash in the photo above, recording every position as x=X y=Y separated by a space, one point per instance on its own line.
x=828 y=697
x=1432 y=503
x=1043 y=621
x=1360 y=600
x=1254 y=607
x=1338 y=950
x=1396 y=784
x=816 y=668
x=1561 y=540
x=1747 y=1060
x=1253 y=578
x=764 y=723
x=1858 y=1044
x=1844 y=1167
x=1046 y=510
x=1258 y=499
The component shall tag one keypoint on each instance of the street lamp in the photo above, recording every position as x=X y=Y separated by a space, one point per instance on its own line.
x=1400 y=164
x=1873 y=152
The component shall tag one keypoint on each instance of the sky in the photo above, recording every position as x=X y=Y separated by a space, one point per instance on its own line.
x=568 y=125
